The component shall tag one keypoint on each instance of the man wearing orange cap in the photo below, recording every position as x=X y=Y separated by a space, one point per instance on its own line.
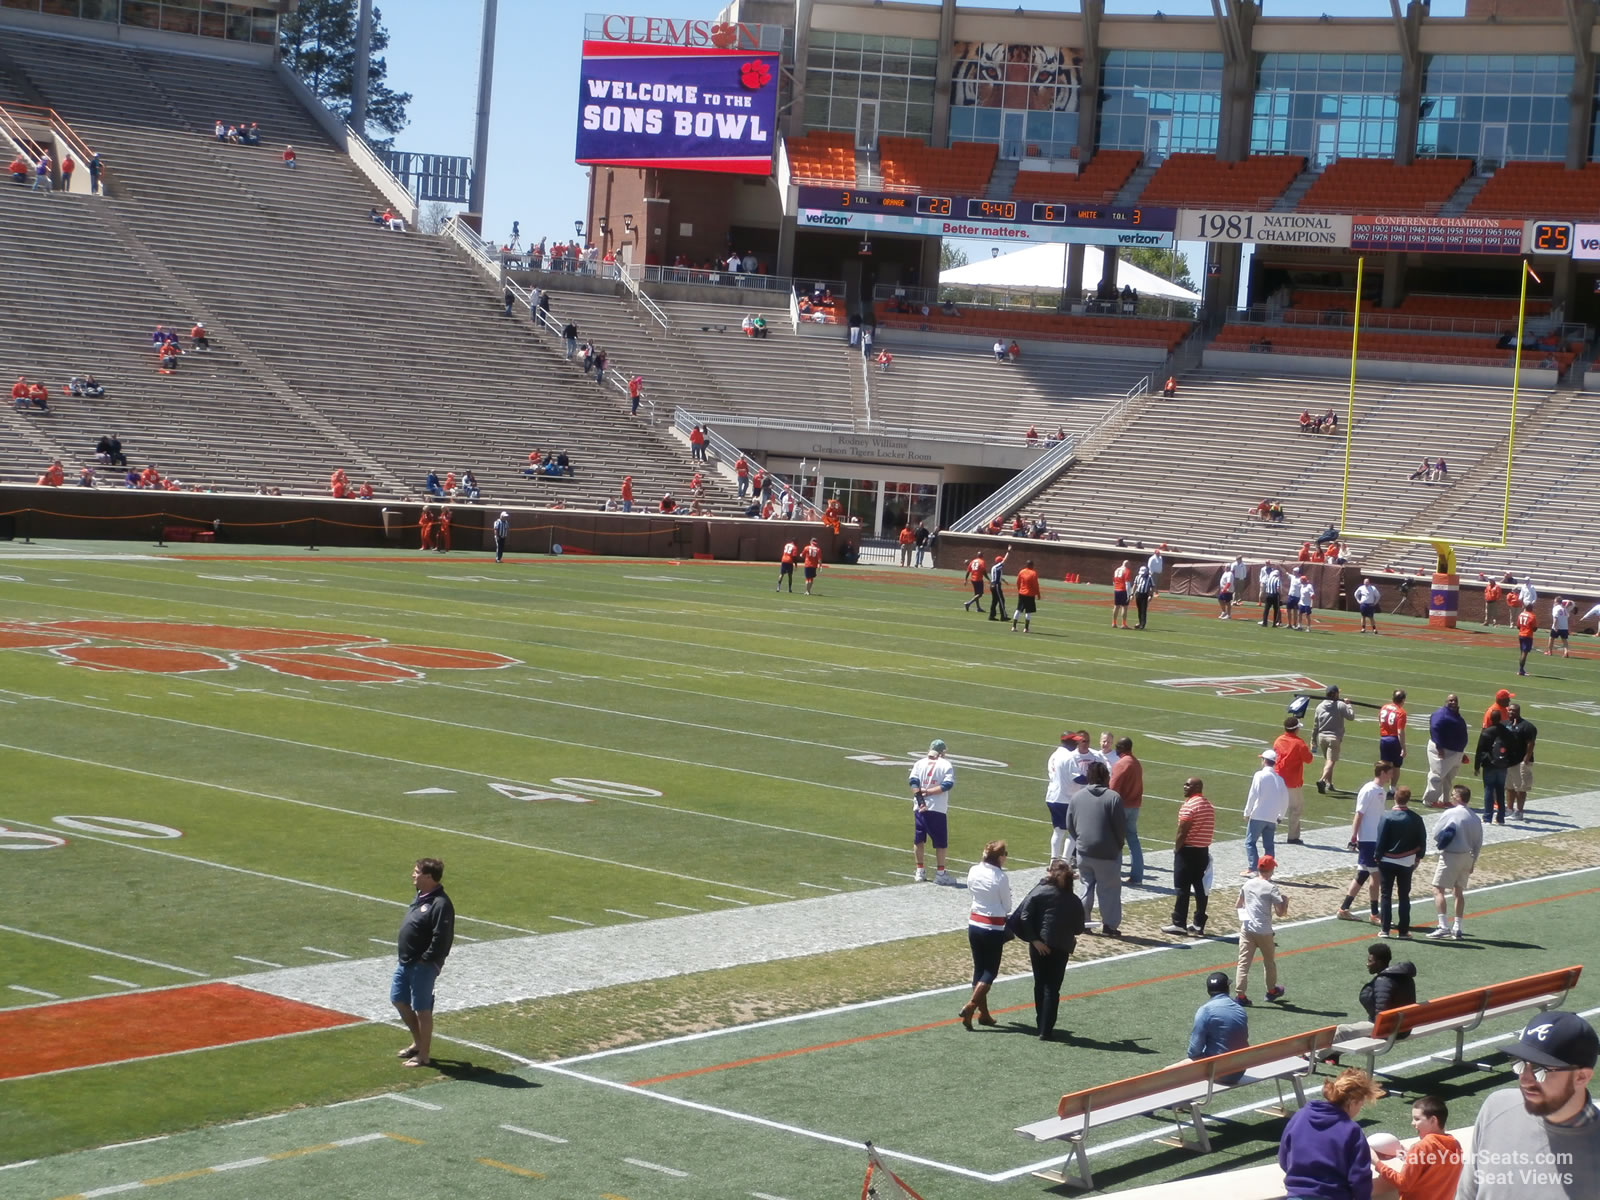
x=1259 y=901
x=1502 y=698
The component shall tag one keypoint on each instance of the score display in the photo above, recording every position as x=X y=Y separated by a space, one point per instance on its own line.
x=933 y=206
x=992 y=210
x=1551 y=237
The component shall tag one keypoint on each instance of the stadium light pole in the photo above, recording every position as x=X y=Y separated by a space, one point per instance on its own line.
x=480 y=139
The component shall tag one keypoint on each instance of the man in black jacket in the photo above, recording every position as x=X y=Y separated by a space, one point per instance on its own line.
x=1393 y=985
x=426 y=934
x=1402 y=841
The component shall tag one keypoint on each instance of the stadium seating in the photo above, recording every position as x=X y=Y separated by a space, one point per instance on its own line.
x=1196 y=180
x=822 y=158
x=401 y=365
x=1539 y=189
x=1378 y=185
x=1098 y=183
x=1477 y=308
x=1386 y=344
x=1041 y=325
x=910 y=164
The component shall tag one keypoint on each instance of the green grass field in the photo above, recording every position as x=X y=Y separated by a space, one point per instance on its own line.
x=664 y=738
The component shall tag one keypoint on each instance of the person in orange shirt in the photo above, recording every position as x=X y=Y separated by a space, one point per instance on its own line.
x=150 y=477
x=338 y=484
x=1305 y=552
x=1502 y=699
x=19 y=392
x=443 y=531
x=975 y=574
x=627 y=493
x=39 y=396
x=1027 y=597
x=812 y=557
x=1491 y=596
x=1119 y=595
x=366 y=490
x=1294 y=756
x=198 y=338
x=907 y=539
x=1431 y=1169
x=1527 y=626
x=425 y=524
x=54 y=475
x=786 y=566
x=1392 y=732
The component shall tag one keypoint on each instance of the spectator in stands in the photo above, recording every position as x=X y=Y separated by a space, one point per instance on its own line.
x=68 y=166
x=599 y=363
x=469 y=485
x=252 y=135
x=1031 y=438
x=1061 y=433
x=150 y=477
x=233 y=134
x=95 y=168
x=627 y=493
x=197 y=337
x=1424 y=472
x=1305 y=420
x=19 y=392
x=396 y=224
x=366 y=489
x=741 y=471
x=18 y=169
x=586 y=356
x=668 y=504
x=697 y=443
x=169 y=356
x=131 y=479
x=1441 y=472
x=432 y=486
x=1000 y=350
x=222 y=132
x=1305 y=553
x=1275 y=512
x=108 y=450
x=39 y=396
x=54 y=475
x=288 y=156
x=1170 y=388
x=884 y=359
x=1330 y=422
x=1330 y=534
x=41 y=173
x=1014 y=352
x=569 y=334
x=86 y=477
x=339 y=484
x=563 y=465
x=510 y=300
x=1323 y=1152
x=85 y=386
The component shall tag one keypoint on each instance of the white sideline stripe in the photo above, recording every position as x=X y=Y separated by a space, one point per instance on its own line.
x=149 y=962
x=115 y=980
x=358 y=1139
x=728 y=900
x=650 y=1166
x=27 y=1162
x=206 y=862
x=380 y=941
x=765 y=1196
x=624 y=913
x=821 y=887
x=329 y=953
x=780 y=1126
x=243 y=1162
x=17 y=987
x=112 y=1190
x=414 y=1103
x=261 y=962
x=135 y=1142
x=534 y=1133
x=858 y=879
x=460 y=937
x=352 y=812
x=862 y=1005
x=274 y=1116
x=679 y=907
x=572 y=921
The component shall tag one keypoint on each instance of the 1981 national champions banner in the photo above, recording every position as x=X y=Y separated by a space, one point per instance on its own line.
x=689 y=108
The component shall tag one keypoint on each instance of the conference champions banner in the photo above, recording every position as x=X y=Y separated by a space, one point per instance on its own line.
x=680 y=107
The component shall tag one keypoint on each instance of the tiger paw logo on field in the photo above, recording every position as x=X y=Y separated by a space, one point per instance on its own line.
x=755 y=74
x=169 y=648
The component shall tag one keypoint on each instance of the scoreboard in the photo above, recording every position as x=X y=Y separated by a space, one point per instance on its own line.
x=1021 y=221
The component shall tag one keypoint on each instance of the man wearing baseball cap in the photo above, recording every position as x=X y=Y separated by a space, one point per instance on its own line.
x=932 y=780
x=1264 y=807
x=1502 y=700
x=1220 y=1024
x=1542 y=1140
x=1294 y=756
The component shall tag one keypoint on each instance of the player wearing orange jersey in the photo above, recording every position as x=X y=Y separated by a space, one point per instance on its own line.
x=786 y=566
x=425 y=524
x=1527 y=626
x=1027 y=597
x=1392 y=732
x=1119 y=595
x=811 y=556
x=975 y=573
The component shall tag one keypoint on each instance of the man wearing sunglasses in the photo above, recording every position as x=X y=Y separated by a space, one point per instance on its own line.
x=1542 y=1141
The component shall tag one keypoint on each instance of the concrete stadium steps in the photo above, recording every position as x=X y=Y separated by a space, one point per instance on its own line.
x=787 y=374
x=393 y=344
x=963 y=390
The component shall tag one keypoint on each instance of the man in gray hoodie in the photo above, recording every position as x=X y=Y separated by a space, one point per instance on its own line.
x=1097 y=827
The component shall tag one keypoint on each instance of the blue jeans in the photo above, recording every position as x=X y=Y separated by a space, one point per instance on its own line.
x=1494 y=793
x=1135 y=850
x=1264 y=831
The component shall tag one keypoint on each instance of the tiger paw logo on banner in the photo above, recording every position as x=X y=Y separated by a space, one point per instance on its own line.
x=755 y=75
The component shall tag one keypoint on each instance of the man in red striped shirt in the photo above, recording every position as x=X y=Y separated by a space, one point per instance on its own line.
x=1197 y=826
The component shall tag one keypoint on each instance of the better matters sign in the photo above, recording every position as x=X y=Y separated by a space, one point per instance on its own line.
x=688 y=108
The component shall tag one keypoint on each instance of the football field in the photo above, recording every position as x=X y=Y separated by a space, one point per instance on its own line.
x=221 y=766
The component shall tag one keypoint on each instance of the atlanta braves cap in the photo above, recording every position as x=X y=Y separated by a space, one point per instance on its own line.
x=1557 y=1039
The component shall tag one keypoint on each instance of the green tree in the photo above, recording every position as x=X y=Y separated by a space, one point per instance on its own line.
x=318 y=42
x=1168 y=264
x=951 y=255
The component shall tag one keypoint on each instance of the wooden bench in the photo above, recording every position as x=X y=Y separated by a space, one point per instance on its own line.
x=1461 y=1013
x=1186 y=1089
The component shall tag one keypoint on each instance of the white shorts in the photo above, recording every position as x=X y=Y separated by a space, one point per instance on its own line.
x=1520 y=777
x=1452 y=871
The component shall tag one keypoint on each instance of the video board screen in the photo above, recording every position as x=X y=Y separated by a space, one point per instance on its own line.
x=681 y=107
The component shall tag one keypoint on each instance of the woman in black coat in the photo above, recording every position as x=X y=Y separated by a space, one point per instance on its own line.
x=1049 y=919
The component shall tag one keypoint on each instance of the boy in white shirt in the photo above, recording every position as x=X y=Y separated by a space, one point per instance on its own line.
x=1308 y=595
x=1259 y=901
x=1292 y=604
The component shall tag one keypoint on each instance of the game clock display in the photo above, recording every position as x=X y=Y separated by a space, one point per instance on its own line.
x=1551 y=237
x=991 y=210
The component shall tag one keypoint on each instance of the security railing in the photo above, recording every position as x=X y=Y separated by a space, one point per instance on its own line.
x=727 y=454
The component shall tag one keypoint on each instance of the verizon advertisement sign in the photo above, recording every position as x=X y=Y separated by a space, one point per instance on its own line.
x=1265 y=229
x=1586 y=242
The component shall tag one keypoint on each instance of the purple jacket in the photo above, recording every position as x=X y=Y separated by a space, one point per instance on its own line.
x=1324 y=1155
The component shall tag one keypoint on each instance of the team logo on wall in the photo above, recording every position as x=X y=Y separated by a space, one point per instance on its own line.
x=1244 y=685
x=1031 y=78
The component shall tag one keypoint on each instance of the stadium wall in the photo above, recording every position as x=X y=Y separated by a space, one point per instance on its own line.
x=1379 y=368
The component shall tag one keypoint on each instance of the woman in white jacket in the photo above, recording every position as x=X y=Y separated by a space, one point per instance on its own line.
x=990 y=890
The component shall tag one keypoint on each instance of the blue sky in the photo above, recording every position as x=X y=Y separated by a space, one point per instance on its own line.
x=531 y=175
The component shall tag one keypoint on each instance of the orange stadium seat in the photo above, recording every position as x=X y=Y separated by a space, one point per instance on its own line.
x=1411 y=347
x=910 y=164
x=822 y=158
x=1041 y=326
x=1098 y=183
x=1539 y=189
x=1195 y=180
x=1376 y=185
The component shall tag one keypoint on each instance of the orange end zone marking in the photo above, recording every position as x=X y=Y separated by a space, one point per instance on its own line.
x=110 y=1029
x=1115 y=987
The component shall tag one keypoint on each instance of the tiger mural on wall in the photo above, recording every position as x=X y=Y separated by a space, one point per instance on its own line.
x=1033 y=78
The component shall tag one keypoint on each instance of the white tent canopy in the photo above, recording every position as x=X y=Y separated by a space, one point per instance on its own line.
x=1042 y=268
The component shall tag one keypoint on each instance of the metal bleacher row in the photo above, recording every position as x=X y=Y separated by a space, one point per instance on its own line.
x=338 y=343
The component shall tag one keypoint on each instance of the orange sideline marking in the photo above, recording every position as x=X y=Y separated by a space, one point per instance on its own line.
x=1116 y=987
x=109 y=1029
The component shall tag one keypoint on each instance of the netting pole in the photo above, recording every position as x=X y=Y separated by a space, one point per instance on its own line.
x=1516 y=378
x=1350 y=409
